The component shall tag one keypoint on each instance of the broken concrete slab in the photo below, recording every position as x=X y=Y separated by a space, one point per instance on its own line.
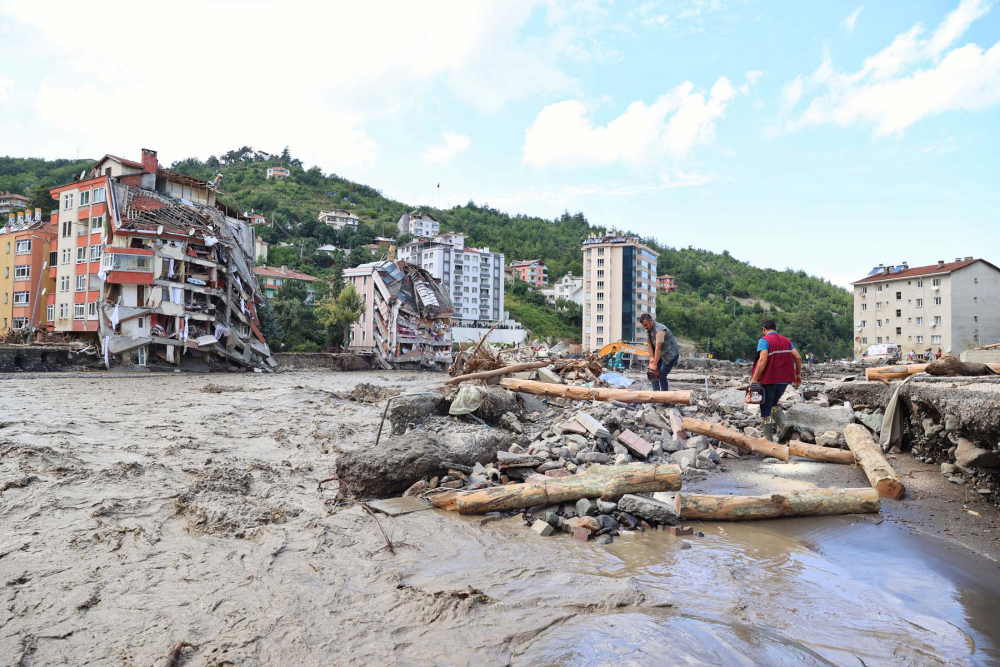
x=970 y=455
x=592 y=425
x=546 y=374
x=806 y=417
x=635 y=444
x=399 y=506
x=649 y=509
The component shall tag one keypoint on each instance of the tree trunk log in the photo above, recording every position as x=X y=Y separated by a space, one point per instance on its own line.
x=597 y=394
x=506 y=370
x=744 y=442
x=811 y=502
x=818 y=453
x=886 y=373
x=869 y=455
x=599 y=481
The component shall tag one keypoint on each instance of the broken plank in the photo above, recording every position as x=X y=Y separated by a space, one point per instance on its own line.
x=744 y=442
x=497 y=372
x=596 y=393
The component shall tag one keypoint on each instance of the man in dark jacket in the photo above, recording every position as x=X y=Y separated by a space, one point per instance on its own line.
x=778 y=365
x=663 y=350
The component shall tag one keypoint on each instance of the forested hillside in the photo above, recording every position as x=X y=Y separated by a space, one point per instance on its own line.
x=718 y=296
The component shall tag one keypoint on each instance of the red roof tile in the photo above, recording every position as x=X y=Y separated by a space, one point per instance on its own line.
x=947 y=267
x=277 y=272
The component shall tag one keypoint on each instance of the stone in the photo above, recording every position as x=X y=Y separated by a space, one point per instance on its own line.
x=683 y=545
x=452 y=484
x=703 y=463
x=546 y=374
x=968 y=455
x=606 y=507
x=607 y=522
x=649 y=509
x=697 y=443
x=627 y=521
x=592 y=457
x=807 y=417
x=649 y=417
x=873 y=422
x=950 y=422
x=807 y=437
x=931 y=428
x=684 y=458
x=581 y=534
x=588 y=522
x=510 y=422
x=574 y=427
x=947 y=468
x=621 y=459
x=557 y=473
x=543 y=528
x=672 y=445
x=828 y=439
x=549 y=465
x=593 y=426
x=607 y=539
x=572 y=439
x=771 y=459
x=681 y=531
x=709 y=455
x=729 y=398
x=635 y=444
x=752 y=432
x=586 y=507
x=516 y=449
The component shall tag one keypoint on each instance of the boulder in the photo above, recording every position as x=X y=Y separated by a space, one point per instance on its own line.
x=698 y=443
x=828 y=439
x=414 y=410
x=684 y=458
x=968 y=455
x=806 y=417
x=873 y=422
x=649 y=509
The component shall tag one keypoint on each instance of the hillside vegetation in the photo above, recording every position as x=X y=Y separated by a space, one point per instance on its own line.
x=811 y=311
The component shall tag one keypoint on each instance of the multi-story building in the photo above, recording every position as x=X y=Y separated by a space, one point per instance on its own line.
x=532 y=271
x=666 y=283
x=472 y=277
x=568 y=287
x=257 y=219
x=619 y=285
x=260 y=249
x=26 y=249
x=418 y=225
x=338 y=219
x=278 y=173
x=950 y=306
x=274 y=278
x=407 y=314
x=11 y=202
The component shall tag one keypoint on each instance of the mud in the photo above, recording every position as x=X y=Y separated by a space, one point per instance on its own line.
x=157 y=513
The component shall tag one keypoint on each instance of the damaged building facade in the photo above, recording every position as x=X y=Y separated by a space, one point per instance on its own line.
x=167 y=271
x=407 y=318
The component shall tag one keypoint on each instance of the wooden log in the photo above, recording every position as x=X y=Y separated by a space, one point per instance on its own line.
x=744 y=442
x=869 y=455
x=886 y=373
x=808 y=502
x=607 y=482
x=497 y=372
x=818 y=453
x=595 y=393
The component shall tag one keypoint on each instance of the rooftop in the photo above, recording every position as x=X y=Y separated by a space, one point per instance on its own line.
x=903 y=271
x=283 y=272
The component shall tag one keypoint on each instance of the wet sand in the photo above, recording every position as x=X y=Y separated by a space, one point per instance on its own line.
x=146 y=512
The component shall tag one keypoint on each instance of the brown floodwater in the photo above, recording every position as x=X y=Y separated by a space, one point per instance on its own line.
x=159 y=513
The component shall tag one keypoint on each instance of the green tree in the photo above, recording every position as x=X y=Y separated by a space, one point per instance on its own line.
x=297 y=318
x=338 y=312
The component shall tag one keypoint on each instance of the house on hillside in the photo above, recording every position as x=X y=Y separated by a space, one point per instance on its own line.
x=568 y=287
x=274 y=278
x=532 y=271
x=418 y=225
x=339 y=219
x=666 y=283
x=278 y=173
x=11 y=202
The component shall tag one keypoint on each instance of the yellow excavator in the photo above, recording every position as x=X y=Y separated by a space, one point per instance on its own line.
x=622 y=355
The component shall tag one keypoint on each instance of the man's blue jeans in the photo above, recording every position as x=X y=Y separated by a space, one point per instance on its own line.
x=664 y=368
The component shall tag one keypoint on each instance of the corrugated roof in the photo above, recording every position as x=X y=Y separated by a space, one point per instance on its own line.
x=947 y=267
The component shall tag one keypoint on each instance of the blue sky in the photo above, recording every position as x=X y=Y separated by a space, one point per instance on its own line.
x=828 y=137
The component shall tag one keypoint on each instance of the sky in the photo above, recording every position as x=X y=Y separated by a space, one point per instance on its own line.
x=825 y=137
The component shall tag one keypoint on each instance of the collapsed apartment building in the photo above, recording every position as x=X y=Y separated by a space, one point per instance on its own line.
x=407 y=318
x=163 y=272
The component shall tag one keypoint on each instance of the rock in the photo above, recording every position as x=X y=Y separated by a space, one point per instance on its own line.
x=510 y=422
x=621 y=459
x=771 y=459
x=649 y=509
x=558 y=472
x=508 y=460
x=931 y=428
x=587 y=522
x=807 y=437
x=709 y=455
x=702 y=463
x=681 y=531
x=415 y=410
x=950 y=422
x=608 y=522
x=683 y=545
x=828 y=439
x=516 y=449
x=649 y=417
x=752 y=409
x=592 y=425
x=627 y=521
x=549 y=465
x=401 y=460
x=571 y=440
x=968 y=455
x=731 y=398
x=672 y=445
x=684 y=458
x=698 y=443
x=873 y=422
x=586 y=507
x=752 y=432
x=592 y=457
x=947 y=468
x=551 y=518
x=606 y=507
x=416 y=488
x=807 y=417
x=547 y=375
x=542 y=528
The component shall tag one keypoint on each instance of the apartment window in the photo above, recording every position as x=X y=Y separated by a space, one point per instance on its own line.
x=81 y=255
x=600 y=262
x=600 y=251
x=899 y=313
x=899 y=331
x=99 y=195
x=92 y=310
x=920 y=303
x=85 y=198
x=141 y=356
x=8 y=247
x=95 y=252
x=975 y=318
x=19 y=323
x=878 y=305
x=878 y=288
x=600 y=330
x=878 y=323
x=20 y=298
x=50 y=312
x=864 y=324
x=67 y=255
x=899 y=296
x=600 y=307
x=22 y=272
x=920 y=339
x=600 y=342
x=6 y=297
x=64 y=283
x=84 y=227
x=864 y=289
x=920 y=283
x=600 y=284
x=67 y=228
x=116 y=261
x=864 y=306
x=600 y=296
x=920 y=321
x=6 y=272
x=936 y=340
x=864 y=341
x=63 y=311
x=81 y=283
x=23 y=247
x=936 y=282
x=600 y=273
x=878 y=340
x=68 y=202
x=937 y=301
x=79 y=311
x=937 y=320
x=600 y=319
x=97 y=224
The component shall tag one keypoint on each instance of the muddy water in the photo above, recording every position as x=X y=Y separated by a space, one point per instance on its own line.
x=146 y=511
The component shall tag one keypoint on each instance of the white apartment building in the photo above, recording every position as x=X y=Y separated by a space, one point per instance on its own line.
x=951 y=306
x=338 y=219
x=619 y=285
x=568 y=287
x=418 y=225
x=472 y=277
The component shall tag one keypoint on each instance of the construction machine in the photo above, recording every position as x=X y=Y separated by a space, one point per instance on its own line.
x=622 y=355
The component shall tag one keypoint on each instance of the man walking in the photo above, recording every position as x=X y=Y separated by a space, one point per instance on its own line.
x=663 y=350
x=778 y=364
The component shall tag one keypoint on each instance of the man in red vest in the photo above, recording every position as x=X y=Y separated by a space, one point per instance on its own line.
x=778 y=365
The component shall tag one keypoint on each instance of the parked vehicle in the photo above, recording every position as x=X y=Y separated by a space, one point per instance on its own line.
x=882 y=352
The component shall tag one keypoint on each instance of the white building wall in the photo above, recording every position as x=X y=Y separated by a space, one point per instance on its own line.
x=975 y=307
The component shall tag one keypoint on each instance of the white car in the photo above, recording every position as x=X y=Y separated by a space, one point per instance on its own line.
x=881 y=352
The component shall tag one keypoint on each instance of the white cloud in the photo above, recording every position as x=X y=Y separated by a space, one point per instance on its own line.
x=891 y=91
x=290 y=92
x=564 y=134
x=752 y=78
x=683 y=179
x=447 y=152
x=851 y=19
x=6 y=85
